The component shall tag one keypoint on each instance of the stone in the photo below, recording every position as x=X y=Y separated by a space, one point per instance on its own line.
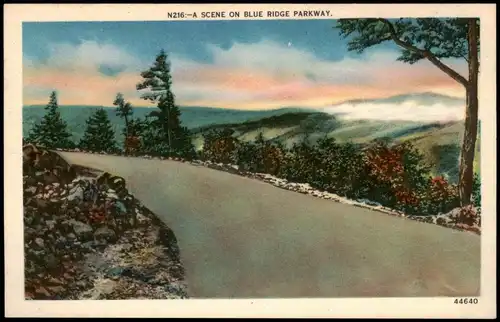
x=115 y=271
x=42 y=291
x=81 y=229
x=55 y=281
x=75 y=193
x=105 y=233
x=121 y=207
x=40 y=203
x=141 y=219
x=50 y=178
x=31 y=190
x=39 y=242
x=111 y=195
x=51 y=261
x=30 y=181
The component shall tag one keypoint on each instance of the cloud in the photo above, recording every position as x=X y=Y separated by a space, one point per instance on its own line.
x=89 y=73
x=90 y=55
x=269 y=74
x=404 y=111
x=254 y=76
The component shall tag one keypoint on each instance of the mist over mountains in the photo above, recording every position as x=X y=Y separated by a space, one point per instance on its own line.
x=419 y=107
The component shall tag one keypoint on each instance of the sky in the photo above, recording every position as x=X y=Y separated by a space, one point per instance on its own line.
x=255 y=64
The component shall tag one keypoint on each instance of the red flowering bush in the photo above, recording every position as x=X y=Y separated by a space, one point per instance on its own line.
x=439 y=197
x=396 y=176
x=220 y=146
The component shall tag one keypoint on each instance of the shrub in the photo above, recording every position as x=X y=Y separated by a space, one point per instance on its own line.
x=269 y=156
x=299 y=163
x=476 y=191
x=260 y=156
x=440 y=197
x=339 y=168
x=220 y=146
x=397 y=176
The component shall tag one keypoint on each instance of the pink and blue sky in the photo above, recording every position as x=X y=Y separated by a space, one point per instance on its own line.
x=229 y=64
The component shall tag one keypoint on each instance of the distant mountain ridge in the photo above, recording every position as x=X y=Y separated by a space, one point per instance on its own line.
x=191 y=117
x=425 y=98
x=439 y=139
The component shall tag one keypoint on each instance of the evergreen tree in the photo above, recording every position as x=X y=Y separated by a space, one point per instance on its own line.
x=123 y=110
x=165 y=133
x=52 y=131
x=99 y=135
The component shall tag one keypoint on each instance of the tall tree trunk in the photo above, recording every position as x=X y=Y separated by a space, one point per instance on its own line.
x=169 y=130
x=127 y=127
x=471 y=118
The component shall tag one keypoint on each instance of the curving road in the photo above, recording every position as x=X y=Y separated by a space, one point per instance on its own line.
x=242 y=238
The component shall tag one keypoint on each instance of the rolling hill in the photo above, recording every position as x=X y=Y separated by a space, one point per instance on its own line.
x=192 y=117
x=431 y=122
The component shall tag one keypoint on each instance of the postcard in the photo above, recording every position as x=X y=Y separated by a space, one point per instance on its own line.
x=250 y=160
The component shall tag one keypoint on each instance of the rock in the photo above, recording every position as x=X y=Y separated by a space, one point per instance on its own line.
x=111 y=195
x=31 y=181
x=56 y=289
x=81 y=229
x=141 y=219
x=51 y=261
x=31 y=190
x=42 y=291
x=39 y=242
x=40 y=203
x=115 y=271
x=55 y=281
x=175 y=288
x=50 y=178
x=105 y=233
x=121 y=207
x=75 y=194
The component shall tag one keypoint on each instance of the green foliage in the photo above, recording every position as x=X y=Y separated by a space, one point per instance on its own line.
x=52 y=131
x=394 y=176
x=123 y=110
x=99 y=134
x=136 y=127
x=165 y=134
x=476 y=191
x=439 y=197
x=220 y=146
x=245 y=156
x=443 y=38
x=328 y=166
x=261 y=156
x=300 y=163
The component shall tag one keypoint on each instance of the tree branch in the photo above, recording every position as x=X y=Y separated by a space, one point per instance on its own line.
x=425 y=53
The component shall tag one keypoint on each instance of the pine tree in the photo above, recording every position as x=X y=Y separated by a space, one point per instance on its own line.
x=165 y=134
x=99 y=135
x=123 y=110
x=52 y=131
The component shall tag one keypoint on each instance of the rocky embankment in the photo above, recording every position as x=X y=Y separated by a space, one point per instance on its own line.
x=86 y=237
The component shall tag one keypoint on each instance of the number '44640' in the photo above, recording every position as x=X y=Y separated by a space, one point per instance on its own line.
x=466 y=301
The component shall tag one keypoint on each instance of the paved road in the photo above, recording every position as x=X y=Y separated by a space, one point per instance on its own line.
x=242 y=238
